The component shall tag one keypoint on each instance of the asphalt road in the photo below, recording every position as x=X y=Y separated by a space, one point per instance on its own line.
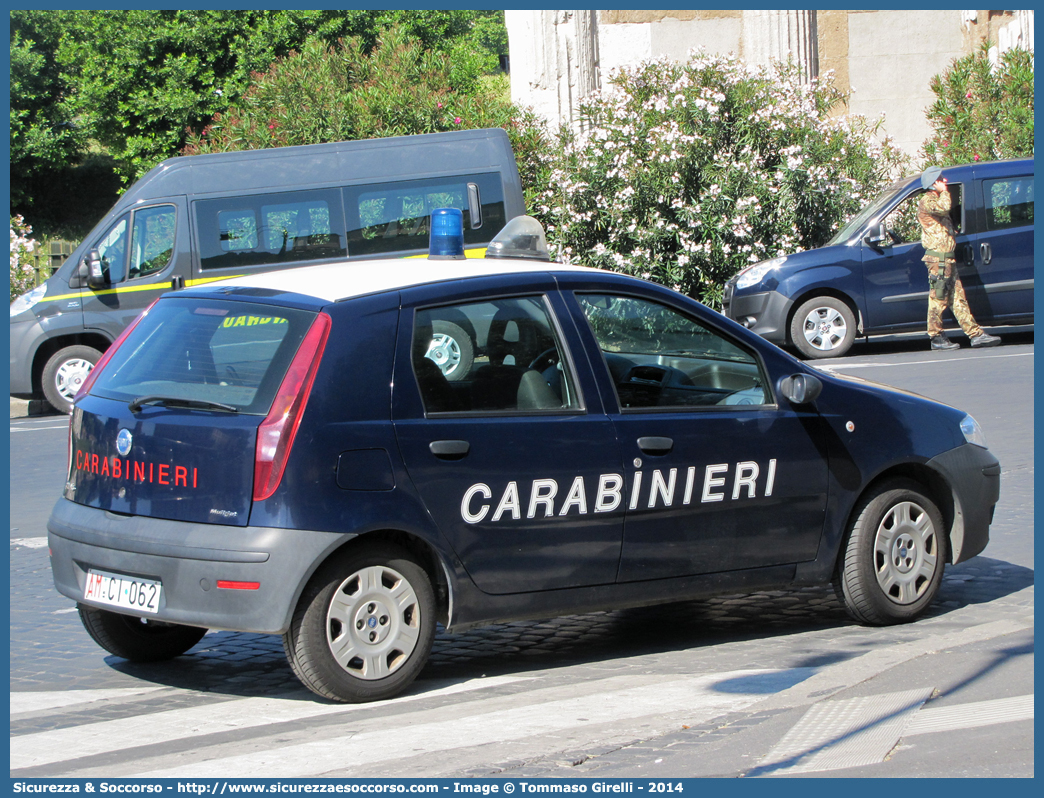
x=773 y=684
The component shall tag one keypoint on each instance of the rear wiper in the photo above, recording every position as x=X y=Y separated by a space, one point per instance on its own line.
x=173 y=401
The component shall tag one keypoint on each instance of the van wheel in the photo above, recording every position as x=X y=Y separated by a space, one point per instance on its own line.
x=451 y=349
x=823 y=327
x=65 y=372
x=894 y=555
x=138 y=639
x=364 y=625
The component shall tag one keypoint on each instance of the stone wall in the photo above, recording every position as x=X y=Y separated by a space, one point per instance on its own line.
x=884 y=58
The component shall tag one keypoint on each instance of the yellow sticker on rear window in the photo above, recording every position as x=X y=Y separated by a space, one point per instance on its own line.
x=250 y=321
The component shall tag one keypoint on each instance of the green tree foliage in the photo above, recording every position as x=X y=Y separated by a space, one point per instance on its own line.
x=346 y=92
x=120 y=89
x=688 y=172
x=982 y=113
x=43 y=138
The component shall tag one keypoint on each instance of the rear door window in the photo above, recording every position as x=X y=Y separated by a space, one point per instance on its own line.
x=501 y=356
x=231 y=353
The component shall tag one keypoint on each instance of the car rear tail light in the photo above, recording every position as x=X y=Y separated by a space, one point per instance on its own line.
x=276 y=434
x=88 y=383
x=229 y=584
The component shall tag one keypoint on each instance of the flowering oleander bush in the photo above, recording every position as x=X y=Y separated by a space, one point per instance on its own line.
x=685 y=173
x=23 y=274
x=982 y=112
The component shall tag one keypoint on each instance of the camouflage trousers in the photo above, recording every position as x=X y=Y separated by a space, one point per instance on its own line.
x=953 y=298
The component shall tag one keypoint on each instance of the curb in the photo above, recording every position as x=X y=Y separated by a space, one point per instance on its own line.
x=22 y=408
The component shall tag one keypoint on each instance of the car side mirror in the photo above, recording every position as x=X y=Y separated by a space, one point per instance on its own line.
x=95 y=275
x=878 y=238
x=800 y=389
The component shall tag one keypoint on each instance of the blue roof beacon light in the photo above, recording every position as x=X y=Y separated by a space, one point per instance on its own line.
x=522 y=237
x=447 y=235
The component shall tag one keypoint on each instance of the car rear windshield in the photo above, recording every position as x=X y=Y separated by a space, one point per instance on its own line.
x=208 y=351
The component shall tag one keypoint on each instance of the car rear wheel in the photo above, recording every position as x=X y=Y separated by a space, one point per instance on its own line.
x=894 y=555
x=364 y=625
x=65 y=372
x=138 y=639
x=824 y=326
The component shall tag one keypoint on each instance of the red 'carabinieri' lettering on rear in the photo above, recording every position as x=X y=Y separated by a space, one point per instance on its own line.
x=135 y=470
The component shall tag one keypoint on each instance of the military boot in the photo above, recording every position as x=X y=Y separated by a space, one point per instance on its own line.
x=984 y=339
x=943 y=344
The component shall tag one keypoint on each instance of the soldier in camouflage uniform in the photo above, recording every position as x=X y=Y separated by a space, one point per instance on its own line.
x=944 y=286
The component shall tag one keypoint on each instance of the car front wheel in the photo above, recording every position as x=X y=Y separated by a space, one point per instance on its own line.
x=822 y=327
x=894 y=556
x=364 y=625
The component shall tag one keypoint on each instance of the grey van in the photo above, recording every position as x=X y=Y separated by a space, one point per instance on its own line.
x=196 y=219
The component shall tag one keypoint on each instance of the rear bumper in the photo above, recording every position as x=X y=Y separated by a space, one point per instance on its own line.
x=188 y=559
x=974 y=477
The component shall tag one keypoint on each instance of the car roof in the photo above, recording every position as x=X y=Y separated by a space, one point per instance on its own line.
x=332 y=282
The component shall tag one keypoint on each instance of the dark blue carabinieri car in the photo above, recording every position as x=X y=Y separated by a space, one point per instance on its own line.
x=869 y=279
x=348 y=454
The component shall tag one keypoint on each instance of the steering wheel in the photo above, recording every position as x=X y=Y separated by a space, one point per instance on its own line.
x=545 y=360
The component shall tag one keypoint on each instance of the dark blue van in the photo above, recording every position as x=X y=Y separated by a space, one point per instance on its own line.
x=869 y=279
x=298 y=453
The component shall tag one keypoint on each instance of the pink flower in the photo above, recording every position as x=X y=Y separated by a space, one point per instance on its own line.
x=272 y=125
x=438 y=105
x=968 y=95
x=976 y=157
x=456 y=120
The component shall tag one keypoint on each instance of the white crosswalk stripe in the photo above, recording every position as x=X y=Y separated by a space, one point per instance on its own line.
x=701 y=698
x=480 y=720
x=269 y=737
x=31 y=750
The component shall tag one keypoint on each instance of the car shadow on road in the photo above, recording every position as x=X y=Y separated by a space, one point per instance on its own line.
x=244 y=665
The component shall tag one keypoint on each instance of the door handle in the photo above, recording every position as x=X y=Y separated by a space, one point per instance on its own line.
x=987 y=252
x=655 y=445
x=449 y=450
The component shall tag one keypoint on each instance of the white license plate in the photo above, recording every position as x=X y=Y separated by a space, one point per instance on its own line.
x=123 y=591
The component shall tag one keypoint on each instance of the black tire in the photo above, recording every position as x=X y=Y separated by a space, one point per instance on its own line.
x=138 y=639
x=64 y=372
x=381 y=651
x=451 y=349
x=824 y=326
x=893 y=559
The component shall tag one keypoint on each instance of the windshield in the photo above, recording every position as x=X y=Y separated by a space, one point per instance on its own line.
x=207 y=354
x=866 y=214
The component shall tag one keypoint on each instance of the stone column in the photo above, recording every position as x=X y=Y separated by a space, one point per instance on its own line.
x=781 y=35
x=554 y=61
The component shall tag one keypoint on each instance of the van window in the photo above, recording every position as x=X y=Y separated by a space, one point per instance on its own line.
x=385 y=218
x=260 y=229
x=1009 y=202
x=233 y=353
x=151 y=244
x=152 y=240
x=112 y=249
